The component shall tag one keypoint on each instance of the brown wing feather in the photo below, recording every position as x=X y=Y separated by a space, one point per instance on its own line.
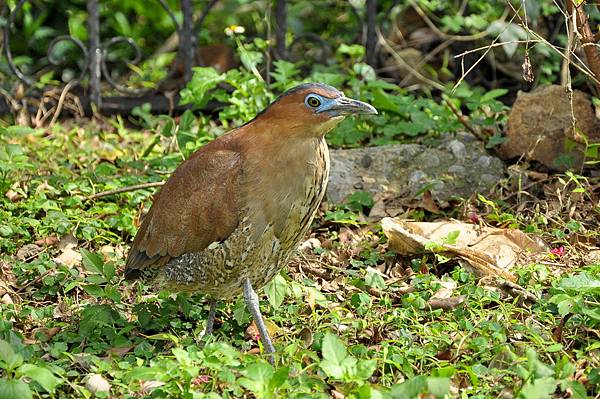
x=198 y=205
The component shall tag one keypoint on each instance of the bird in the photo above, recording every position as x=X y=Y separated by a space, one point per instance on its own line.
x=231 y=215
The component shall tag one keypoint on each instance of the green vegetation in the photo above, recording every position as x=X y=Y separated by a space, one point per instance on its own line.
x=349 y=317
x=339 y=324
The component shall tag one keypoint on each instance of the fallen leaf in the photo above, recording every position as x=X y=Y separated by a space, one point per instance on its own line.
x=119 y=351
x=306 y=336
x=28 y=251
x=428 y=203
x=69 y=258
x=337 y=395
x=309 y=245
x=13 y=196
x=147 y=386
x=446 y=303
x=446 y=290
x=487 y=250
x=96 y=383
x=50 y=240
x=67 y=241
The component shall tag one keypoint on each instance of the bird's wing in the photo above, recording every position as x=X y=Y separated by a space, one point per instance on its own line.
x=198 y=205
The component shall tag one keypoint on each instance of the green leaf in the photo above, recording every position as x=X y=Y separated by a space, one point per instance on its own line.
x=541 y=388
x=452 y=237
x=251 y=59
x=93 y=262
x=257 y=378
x=11 y=359
x=164 y=337
x=495 y=93
x=577 y=389
x=410 y=388
x=438 y=386
x=187 y=120
x=276 y=290
x=144 y=374
x=365 y=369
x=41 y=375
x=334 y=355
x=360 y=199
x=374 y=279
x=197 y=90
x=333 y=349
x=353 y=50
x=6 y=352
x=582 y=283
x=14 y=389
x=94 y=290
x=109 y=271
x=332 y=369
x=168 y=128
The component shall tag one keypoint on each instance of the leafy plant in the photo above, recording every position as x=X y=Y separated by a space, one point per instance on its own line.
x=16 y=372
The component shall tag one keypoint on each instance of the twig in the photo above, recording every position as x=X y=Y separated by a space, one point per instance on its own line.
x=61 y=100
x=516 y=290
x=587 y=40
x=401 y=61
x=126 y=189
x=463 y=120
x=34 y=281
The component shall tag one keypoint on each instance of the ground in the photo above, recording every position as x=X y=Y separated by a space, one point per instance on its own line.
x=349 y=317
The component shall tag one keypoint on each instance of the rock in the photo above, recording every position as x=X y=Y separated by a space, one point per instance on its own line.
x=540 y=127
x=459 y=166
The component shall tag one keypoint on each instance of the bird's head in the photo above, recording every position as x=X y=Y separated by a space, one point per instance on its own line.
x=313 y=109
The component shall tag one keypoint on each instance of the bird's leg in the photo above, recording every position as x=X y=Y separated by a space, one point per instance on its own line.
x=252 y=302
x=210 y=321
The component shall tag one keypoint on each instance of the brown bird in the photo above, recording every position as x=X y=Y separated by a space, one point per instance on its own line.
x=231 y=215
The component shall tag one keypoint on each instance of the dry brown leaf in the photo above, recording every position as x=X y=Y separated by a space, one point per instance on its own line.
x=446 y=303
x=67 y=241
x=69 y=257
x=13 y=196
x=148 y=386
x=446 y=290
x=306 y=336
x=428 y=203
x=119 y=351
x=28 y=251
x=96 y=383
x=253 y=333
x=50 y=240
x=488 y=250
x=309 y=245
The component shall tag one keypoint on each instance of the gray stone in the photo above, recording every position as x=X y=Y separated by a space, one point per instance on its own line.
x=457 y=170
x=458 y=166
x=459 y=150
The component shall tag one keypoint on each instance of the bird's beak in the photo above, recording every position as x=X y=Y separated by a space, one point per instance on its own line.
x=348 y=106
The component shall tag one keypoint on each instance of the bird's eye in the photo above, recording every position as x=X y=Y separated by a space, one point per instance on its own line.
x=313 y=102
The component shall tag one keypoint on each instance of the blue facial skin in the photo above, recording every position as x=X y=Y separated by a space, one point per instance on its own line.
x=326 y=104
x=338 y=106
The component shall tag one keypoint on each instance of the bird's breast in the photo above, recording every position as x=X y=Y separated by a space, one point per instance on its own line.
x=290 y=187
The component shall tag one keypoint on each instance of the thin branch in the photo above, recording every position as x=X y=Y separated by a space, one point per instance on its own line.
x=463 y=120
x=587 y=40
x=61 y=100
x=126 y=189
x=400 y=60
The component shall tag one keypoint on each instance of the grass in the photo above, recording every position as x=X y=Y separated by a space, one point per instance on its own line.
x=350 y=318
